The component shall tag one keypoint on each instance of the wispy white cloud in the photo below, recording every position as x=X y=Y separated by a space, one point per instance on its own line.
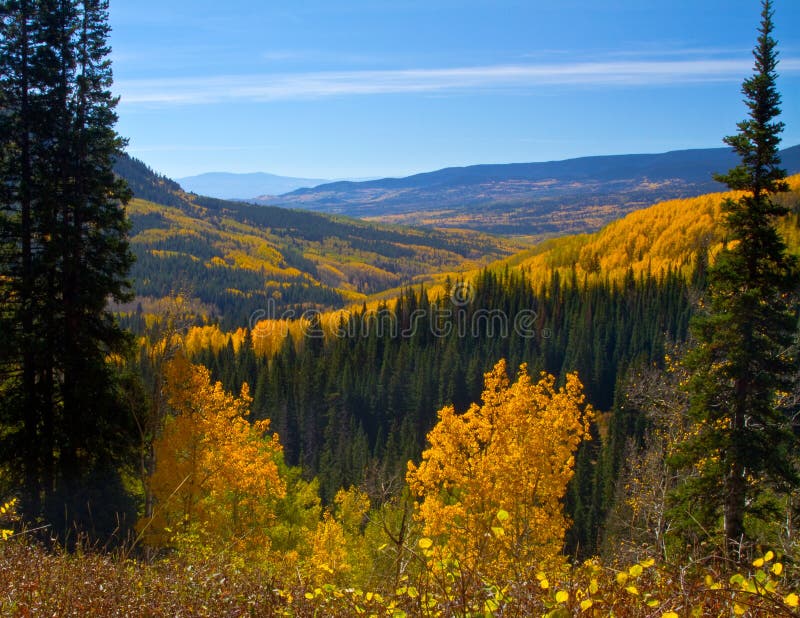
x=294 y=86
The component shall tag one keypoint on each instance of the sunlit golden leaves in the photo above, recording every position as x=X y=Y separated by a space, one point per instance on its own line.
x=667 y=235
x=216 y=473
x=504 y=464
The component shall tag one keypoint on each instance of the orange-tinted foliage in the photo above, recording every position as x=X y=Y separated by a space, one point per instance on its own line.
x=491 y=483
x=216 y=474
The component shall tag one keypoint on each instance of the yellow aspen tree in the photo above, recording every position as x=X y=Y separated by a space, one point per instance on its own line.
x=329 y=560
x=338 y=551
x=490 y=486
x=216 y=474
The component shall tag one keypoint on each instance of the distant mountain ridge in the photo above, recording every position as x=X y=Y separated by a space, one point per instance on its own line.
x=548 y=198
x=226 y=185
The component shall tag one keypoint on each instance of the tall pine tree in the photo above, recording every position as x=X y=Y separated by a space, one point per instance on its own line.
x=64 y=254
x=742 y=444
x=27 y=79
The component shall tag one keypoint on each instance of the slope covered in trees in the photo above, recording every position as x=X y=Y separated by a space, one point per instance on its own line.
x=335 y=486
x=236 y=259
x=355 y=405
x=452 y=550
x=672 y=234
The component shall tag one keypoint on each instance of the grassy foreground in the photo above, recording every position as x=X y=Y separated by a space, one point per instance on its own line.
x=39 y=582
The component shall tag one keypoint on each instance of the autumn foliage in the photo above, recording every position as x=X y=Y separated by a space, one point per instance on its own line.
x=491 y=484
x=216 y=475
x=249 y=536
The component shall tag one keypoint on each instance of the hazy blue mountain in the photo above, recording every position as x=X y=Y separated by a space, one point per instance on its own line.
x=547 y=198
x=224 y=185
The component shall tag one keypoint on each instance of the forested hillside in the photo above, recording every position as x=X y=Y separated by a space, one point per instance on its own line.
x=355 y=405
x=284 y=413
x=234 y=259
x=668 y=235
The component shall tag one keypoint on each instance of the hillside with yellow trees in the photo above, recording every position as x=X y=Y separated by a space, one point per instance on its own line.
x=667 y=235
x=496 y=442
x=232 y=259
x=276 y=412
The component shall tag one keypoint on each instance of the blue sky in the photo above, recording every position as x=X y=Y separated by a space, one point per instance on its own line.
x=362 y=88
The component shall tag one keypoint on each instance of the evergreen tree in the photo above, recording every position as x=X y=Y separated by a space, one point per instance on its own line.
x=65 y=253
x=28 y=128
x=740 y=449
x=15 y=242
